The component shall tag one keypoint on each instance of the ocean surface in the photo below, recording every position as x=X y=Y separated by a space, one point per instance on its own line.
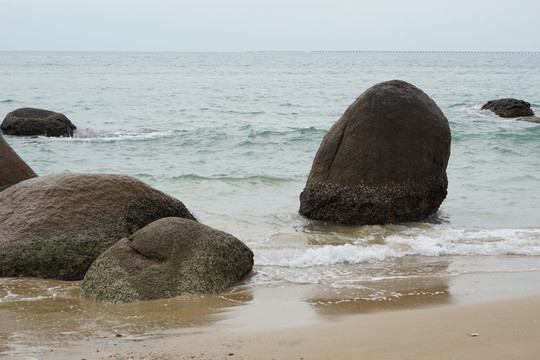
x=233 y=136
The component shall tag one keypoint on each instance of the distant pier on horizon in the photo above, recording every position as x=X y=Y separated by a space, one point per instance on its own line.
x=426 y=52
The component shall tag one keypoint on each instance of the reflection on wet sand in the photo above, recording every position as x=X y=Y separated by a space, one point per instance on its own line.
x=47 y=318
x=390 y=294
x=380 y=286
x=42 y=314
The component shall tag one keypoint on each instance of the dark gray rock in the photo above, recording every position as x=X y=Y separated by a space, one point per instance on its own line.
x=383 y=161
x=168 y=258
x=31 y=122
x=509 y=107
x=55 y=226
x=13 y=169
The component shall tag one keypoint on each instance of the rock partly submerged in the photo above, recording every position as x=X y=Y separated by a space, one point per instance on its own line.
x=168 y=258
x=32 y=122
x=508 y=107
x=55 y=226
x=383 y=161
x=13 y=169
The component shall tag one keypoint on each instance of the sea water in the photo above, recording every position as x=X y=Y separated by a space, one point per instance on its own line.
x=233 y=136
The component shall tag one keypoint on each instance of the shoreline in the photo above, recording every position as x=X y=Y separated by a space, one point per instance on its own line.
x=499 y=318
x=500 y=329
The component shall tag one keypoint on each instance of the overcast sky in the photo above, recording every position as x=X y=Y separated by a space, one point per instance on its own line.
x=244 y=25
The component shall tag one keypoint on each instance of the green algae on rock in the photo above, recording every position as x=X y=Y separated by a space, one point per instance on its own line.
x=55 y=226
x=167 y=258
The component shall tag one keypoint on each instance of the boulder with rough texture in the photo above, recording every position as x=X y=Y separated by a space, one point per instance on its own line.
x=13 y=169
x=168 y=258
x=31 y=122
x=55 y=226
x=509 y=107
x=383 y=161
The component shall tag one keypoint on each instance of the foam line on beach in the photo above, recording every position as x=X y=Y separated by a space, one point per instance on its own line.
x=435 y=241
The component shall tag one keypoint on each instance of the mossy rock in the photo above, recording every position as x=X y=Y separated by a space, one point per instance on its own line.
x=169 y=257
x=55 y=226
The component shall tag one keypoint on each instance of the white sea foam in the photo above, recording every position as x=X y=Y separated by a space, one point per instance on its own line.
x=17 y=298
x=120 y=135
x=435 y=241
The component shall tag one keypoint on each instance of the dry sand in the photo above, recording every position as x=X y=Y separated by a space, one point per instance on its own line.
x=503 y=329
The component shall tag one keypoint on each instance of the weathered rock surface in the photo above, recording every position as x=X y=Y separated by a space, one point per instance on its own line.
x=31 y=122
x=55 y=226
x=167 y=258
x=383 y=161
x=533 y=119
x=509 y=107
x=13 y=169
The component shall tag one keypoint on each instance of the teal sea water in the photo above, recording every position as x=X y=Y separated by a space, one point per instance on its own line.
x=233 y=136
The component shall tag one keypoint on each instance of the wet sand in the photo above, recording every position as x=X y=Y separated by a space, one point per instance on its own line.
x=503 y=329
x=476 y=316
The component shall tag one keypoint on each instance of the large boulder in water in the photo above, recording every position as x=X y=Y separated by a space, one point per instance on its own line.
x=383 y=161
x=13 y=169
x=30 y=122
x=169 y=257
x=509 y=107
x=55 y=226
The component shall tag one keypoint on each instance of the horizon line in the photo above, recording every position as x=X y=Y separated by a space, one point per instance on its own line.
x=299 y=51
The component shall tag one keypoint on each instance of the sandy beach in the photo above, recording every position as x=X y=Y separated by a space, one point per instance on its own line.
x=501 y=329
x=475 y=316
